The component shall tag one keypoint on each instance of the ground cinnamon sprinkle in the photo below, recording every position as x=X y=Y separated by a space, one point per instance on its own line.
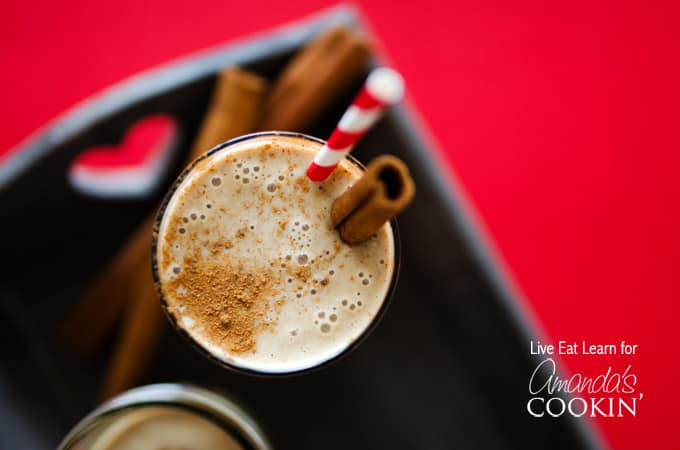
x=302 y=273
x=229 y=301
x=303 y=184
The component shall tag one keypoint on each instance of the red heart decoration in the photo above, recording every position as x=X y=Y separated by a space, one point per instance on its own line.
x=131 y=169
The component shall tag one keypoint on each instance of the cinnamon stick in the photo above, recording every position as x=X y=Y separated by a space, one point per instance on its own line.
x=140 y=332
x=385 y=189
x=94 y=317
x=315 y=78
x=308 y=85
x=235 y=109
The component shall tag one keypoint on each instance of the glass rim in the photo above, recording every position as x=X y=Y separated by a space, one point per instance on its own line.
x=212 y=405
x=375 y=321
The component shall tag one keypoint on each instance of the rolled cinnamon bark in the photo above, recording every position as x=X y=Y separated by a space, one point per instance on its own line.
x=315 y=77
x=141 y=329
x=93 y=319
x=385 y=189
x=235 y=109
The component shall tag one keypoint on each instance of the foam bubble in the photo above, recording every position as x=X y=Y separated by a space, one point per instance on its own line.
x=216 y=181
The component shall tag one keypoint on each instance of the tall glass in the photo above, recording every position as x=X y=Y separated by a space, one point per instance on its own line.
x=271 y=149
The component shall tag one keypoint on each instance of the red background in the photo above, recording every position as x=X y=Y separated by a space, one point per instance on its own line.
x=560 y=119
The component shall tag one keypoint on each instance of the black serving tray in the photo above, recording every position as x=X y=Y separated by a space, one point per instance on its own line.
x=447 y=368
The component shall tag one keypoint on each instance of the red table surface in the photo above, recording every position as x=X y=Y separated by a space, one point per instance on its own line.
x=559 y=118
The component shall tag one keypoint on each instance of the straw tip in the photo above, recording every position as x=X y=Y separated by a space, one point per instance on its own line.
x=386 y=85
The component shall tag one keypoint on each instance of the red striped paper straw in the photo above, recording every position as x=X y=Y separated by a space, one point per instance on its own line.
x=383 y=87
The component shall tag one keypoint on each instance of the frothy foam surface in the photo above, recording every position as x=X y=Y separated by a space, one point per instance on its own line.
x=156 y=427
x=251 y=266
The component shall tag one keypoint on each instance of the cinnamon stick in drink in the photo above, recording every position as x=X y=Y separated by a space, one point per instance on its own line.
x=316 y=76
x=385 y=189
x=235 y=109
